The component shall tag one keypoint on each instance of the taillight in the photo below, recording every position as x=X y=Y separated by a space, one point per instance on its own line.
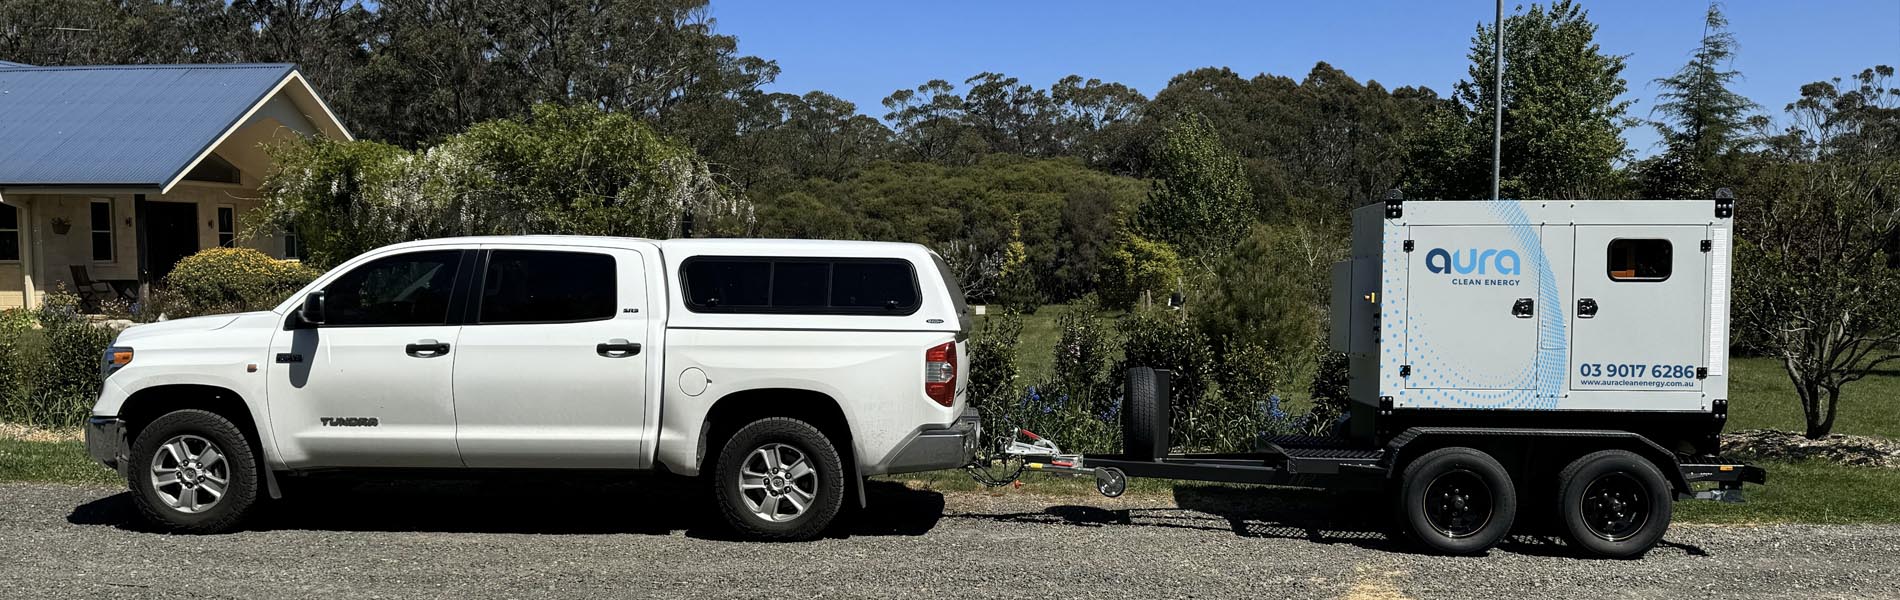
x=940 y=373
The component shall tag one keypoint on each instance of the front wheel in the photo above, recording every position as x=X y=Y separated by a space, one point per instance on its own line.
x=193 y=471
x=1614 y=504
x=779 y=479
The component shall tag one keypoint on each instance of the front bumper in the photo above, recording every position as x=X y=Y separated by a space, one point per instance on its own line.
x=105 y=441
x=933 y=449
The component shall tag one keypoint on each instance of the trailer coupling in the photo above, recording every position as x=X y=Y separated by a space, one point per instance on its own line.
x=1728 y=479
x=1030 y=452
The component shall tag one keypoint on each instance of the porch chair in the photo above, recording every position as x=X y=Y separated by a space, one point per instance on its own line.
x=91 y=292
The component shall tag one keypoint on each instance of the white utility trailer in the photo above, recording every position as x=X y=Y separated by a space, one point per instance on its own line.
x=1562 y=355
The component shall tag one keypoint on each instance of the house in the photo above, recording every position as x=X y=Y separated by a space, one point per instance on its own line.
x=124 y=169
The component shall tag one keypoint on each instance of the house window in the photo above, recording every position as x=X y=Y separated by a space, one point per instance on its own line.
x=227 y=226
x=1639 y=260
x=101 y=217
x=9 y=233
x=293 y=247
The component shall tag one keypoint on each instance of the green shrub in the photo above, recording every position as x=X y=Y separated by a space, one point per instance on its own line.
x=18 y=343
x=224 y=280
x=1135 y=267
x=1163 y=339
x=1328 y=393
x=1079 y=405
x=50 y=376
x=993 y=370
x=1268 y=293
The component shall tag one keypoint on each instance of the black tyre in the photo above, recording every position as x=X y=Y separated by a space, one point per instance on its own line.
x=779 y=479
x=1614 y=504
x=193 y=471
x=1145 y=414
x=1457 y=501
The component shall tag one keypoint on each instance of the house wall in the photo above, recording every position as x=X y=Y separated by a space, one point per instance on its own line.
x=60 y=251
x=12 y=286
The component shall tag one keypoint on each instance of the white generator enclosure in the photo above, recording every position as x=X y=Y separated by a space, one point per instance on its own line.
x=1601 y=306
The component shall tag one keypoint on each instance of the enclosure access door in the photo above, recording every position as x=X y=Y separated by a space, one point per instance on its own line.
x=1471 y=307
x=1640 y=312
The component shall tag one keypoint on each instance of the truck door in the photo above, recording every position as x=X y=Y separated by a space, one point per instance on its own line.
x=1641 y=301
x=370 y=387
x=1471 y=307
x=551 y=372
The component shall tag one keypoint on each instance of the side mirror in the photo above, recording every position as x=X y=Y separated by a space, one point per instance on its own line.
x=311 y=313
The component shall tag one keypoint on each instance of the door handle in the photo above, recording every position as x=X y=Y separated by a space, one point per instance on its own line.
x=1586 y=308
x=426 y=349
x=1523 y=308
x=617 y=348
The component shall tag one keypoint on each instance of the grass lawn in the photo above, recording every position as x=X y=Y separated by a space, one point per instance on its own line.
x=1760 y=397
x=63 y=462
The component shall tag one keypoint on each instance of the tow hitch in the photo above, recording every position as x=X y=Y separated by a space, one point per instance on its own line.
x=1030 y=452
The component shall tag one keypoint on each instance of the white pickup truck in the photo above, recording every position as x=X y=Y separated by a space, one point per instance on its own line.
x=782 y=372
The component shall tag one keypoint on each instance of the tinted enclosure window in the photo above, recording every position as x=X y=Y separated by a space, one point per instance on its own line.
x=800 y=285
x=1640 y=260
x=406 y=289
x=727 y=283
x=886 y=285
x=528 y=286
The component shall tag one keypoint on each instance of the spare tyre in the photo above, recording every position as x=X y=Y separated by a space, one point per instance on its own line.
x=1145 y=414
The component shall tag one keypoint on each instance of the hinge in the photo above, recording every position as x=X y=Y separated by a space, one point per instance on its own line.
x=1405 y=370
x=1707 y=246
x=1408 y=245
x=1720 y=409
x=1394 y=204
x=1701 y=372
x=1724 y=203
x=1385 y=406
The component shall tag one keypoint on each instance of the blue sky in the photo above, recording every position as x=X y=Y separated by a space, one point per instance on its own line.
x=862 y=51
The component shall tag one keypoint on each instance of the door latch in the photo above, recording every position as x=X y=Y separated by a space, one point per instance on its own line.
x=1523 y=308
x=1586 y=308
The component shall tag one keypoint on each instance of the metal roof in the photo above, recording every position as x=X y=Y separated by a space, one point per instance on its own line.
x=120 y=125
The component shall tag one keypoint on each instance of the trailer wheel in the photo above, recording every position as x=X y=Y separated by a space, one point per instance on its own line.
x=1457 y=501
x=1145 y=414
x=1614 y=504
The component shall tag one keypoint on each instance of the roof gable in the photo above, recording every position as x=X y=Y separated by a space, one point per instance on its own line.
x=106 y=126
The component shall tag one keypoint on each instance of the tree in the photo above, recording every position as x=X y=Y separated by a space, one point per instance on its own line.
x=1704 y=123
x=1269 y=293
x=564 y=171
x=1201 y=200
x=1817 y=276
x=1563 y=121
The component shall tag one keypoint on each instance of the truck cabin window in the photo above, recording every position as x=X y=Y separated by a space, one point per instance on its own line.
x=1640 y=259
x=860 y=286
x=406 y=289
x=533 y=286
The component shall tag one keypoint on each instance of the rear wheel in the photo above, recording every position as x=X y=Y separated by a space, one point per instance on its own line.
x=779 y=479
x=1457 y=501
x=1614 y=504
x=193 y=471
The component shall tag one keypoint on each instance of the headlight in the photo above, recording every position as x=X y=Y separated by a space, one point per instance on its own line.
x=115 y=358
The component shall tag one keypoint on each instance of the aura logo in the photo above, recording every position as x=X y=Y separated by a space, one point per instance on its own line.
x=1474 y=261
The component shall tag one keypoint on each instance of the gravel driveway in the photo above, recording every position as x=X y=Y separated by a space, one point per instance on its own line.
x=542 y=539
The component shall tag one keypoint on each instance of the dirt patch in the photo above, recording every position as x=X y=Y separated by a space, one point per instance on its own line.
x=1769 y=444
x=28 y=433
